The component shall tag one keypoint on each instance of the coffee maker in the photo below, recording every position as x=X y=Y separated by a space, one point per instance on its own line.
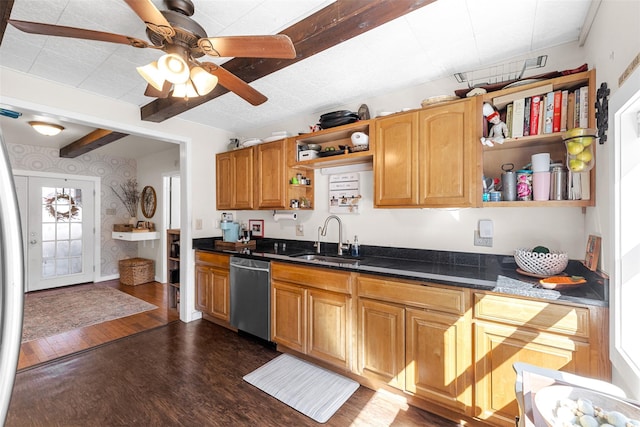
x=230 y=229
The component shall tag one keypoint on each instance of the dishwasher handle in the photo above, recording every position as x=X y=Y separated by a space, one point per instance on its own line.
x=244 y=267
x=246 y=264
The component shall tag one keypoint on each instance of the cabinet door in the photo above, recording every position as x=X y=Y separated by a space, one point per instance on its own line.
x=243 y=179
x=448 y=153
x=381 y=342
x=288 y=316
x=224 y=181
x=212 y=291
x=329 y=328
x=439 y=358
x=203 y=280
x=396 y=161
x=498 y=347
x=218 y=294
x=270 y=182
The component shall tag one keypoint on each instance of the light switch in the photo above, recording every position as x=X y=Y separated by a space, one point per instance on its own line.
x=485 y=228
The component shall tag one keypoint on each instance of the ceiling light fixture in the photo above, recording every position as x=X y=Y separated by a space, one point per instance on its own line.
x=47 y=129
x=189 y=80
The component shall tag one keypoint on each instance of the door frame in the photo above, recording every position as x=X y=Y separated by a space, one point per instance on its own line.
x=97 y=181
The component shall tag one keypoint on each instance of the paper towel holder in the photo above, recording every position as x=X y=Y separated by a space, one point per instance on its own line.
x=285 y=215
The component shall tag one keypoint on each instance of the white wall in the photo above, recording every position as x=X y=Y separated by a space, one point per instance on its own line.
x=612 y=44
x=151 y=170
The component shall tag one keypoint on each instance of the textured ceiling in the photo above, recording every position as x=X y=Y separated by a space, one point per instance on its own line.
x=430 y=43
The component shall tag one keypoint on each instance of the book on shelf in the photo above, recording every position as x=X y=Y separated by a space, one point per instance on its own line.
x=571 y=107
x=509 y=119
x=548 y=112
x=584 y=107
x=526 y=125
x=534 y=121
x=563 y=110
x=557 y=110
x=576 y=109
x=517 y=127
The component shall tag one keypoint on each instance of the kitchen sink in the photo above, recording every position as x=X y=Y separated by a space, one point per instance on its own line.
x=328 y=259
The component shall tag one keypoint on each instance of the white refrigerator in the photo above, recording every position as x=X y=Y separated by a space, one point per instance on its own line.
x=11 y=282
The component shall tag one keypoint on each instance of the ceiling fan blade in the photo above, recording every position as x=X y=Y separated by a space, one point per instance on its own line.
x=235 y=84
x=152 y=17
x=155 y=93
x=277 y=46
x=76 y=33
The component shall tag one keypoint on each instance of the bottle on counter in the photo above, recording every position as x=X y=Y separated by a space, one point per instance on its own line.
x=355 y=247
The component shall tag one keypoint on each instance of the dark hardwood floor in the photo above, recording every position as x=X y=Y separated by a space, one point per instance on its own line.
x=181 y=374
x=45 y=349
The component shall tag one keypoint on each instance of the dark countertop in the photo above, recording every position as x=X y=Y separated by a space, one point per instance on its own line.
x=496 y=273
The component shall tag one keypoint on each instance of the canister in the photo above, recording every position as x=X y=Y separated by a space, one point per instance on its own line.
x=509 y=192
x=558 y=183
x=523 y=184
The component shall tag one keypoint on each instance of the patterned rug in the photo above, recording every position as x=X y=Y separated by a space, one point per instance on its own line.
x=55 y=311
x=316 y=392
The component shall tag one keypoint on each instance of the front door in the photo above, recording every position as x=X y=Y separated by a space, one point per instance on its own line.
x=59 y=232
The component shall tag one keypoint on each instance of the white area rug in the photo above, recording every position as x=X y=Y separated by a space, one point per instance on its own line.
x=316 y=392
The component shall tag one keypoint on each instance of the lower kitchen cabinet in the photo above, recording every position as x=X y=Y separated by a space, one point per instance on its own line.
x=311 y=312
x=438 y=358
x=381 y=344
x=416 y=338
x=550 y=335
x=212 y=284
x=289 y=316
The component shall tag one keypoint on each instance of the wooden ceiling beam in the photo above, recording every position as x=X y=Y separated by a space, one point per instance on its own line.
x=89 y=142
x=330 y=26
x=5 y=13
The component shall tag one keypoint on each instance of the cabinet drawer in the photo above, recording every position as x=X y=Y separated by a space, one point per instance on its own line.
x=213 y=259
x=413 y=293
x=550 y=317
x=322 y=278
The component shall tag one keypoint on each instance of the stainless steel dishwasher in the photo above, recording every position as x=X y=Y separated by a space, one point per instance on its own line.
x=251 y=296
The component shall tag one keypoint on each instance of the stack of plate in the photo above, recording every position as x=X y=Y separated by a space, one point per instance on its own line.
x=276 y=136
x=337 y=118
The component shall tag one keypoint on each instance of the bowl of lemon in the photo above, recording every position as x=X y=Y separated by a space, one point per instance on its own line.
x=580 y=147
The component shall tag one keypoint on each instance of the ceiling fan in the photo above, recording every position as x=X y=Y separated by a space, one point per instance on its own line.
x=178 y=72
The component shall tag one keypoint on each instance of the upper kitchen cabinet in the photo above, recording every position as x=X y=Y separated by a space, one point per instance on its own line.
x=259 y=177
x=428 y=158
x=270 y=175
x=519 y=150
x=234 y=179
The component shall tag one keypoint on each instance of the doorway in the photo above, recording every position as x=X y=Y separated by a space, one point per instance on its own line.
x=58 y=217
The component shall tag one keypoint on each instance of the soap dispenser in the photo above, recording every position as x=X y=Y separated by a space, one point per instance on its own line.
x=355 y=247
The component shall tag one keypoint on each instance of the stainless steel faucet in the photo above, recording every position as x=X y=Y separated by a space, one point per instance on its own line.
x=317 y=244
x=323 y=231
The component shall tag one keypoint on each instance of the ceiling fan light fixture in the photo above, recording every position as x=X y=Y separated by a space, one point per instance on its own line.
x=152 y=75
x=203 y=82
x=47 y=129
x=174 y=68
x=184 y=90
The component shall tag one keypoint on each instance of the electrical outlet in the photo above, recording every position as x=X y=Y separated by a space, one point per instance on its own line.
x=481 y=241
x=299 y=230
x=198 y=224
x=110 y=211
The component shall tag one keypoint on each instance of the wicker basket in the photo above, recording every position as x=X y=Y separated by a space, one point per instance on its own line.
x=136 y=271
x=548 y=264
